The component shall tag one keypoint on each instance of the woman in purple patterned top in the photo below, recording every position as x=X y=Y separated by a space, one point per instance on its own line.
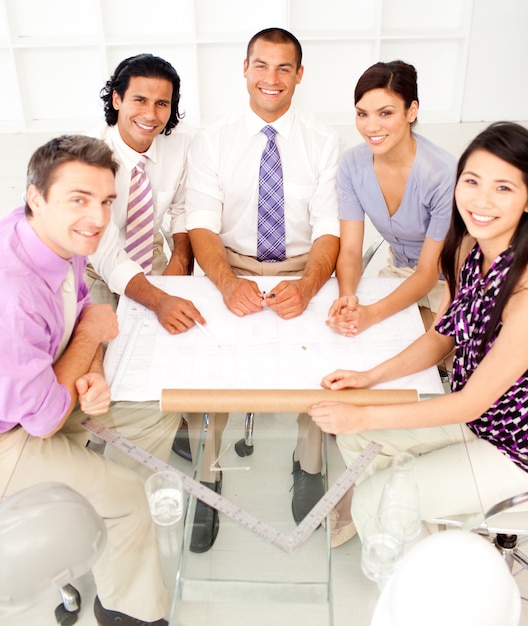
x=483 y=319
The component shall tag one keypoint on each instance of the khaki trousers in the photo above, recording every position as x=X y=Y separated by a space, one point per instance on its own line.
x=431 y=301
x=450 y=482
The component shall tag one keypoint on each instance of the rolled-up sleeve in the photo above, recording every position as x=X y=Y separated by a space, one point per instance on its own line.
x=112 y=263
x=323 y=205
x=27 y=374
x=204 y=197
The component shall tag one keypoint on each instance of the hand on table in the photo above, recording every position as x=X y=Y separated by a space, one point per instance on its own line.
x=287 y=299
x=242 y=297
x=346 y=379
x=177 y=315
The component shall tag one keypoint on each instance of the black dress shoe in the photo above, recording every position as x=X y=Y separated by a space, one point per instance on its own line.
x=206 y=523
x=308 y=489
x=181 y=444
x=105 y=617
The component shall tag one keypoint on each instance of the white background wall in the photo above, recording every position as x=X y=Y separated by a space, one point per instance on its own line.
x=55 y=56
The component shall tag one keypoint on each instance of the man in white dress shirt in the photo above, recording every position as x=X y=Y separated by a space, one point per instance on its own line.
x=141 y=102
x=221 y=217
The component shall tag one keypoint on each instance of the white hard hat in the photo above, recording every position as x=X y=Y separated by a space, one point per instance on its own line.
x=452 y=577
x=49 y=535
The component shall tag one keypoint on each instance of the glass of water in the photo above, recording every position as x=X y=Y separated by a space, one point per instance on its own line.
x=400 y=500
x=165 y=497
x=381 y=550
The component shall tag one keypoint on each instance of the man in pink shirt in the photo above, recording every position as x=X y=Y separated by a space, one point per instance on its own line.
x=51 y=372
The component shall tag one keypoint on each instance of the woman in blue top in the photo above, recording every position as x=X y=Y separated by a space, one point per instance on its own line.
x=404 y=183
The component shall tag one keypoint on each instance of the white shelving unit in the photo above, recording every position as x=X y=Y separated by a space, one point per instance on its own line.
x=55 y=55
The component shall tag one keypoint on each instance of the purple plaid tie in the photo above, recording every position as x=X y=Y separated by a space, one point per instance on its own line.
x=140 y=218
x=271 y=238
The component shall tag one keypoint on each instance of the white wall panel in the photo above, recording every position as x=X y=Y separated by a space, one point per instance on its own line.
x=10 y=105
x=126 y=21
x=222 y=83
x=439 y=73
x=229 y=20
x=338 y=18
x=471 y=55
x=60 y=87
x=496 y=84
x=405 y=16
x=325 y=91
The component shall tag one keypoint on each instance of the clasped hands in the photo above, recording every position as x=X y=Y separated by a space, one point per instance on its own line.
x=243 y=297
x=347 y=317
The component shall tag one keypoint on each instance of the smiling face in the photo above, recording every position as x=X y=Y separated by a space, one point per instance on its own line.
x=72 y=218
x=491 y=197
x=271 y=74
x=383 y=120
x=144 y=111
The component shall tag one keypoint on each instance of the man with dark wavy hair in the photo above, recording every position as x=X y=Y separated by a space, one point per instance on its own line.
x=141 y=105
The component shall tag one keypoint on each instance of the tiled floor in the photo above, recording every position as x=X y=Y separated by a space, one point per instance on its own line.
x=354 y=597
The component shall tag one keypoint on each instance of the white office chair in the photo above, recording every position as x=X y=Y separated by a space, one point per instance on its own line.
x=503 y=524
x=244 y=446
x=49 y=536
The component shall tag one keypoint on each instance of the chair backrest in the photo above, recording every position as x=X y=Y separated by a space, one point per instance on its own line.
x=509 y=516
x=49 y=535
x=370 y=252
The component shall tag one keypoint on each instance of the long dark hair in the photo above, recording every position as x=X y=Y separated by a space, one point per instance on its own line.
x=507 y=141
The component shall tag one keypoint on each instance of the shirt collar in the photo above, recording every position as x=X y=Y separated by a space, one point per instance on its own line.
x=127 y=155
x=282 y=125
x=46 y=264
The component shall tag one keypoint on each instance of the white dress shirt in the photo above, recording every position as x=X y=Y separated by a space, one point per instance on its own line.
x=166 y=169
x=223 y=172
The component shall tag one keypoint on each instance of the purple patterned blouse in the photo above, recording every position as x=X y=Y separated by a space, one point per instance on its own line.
x=505 y=423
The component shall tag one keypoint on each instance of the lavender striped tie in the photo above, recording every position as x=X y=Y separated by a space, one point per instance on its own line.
x=271 y=237
x=140 y=218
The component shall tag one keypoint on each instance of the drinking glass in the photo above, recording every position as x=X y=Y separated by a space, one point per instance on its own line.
x=165 y=497
x=400 y=500
x=381 y=549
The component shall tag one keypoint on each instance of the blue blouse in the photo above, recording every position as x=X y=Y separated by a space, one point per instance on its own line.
x=425 y=209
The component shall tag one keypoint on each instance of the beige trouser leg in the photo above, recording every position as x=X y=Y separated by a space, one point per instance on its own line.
x=146 y=426
x=451 y=485
x=212 y=443
x=431 y=301
x=128 y=574
x=444 y=474
x=309 y=443
x=99 y=291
